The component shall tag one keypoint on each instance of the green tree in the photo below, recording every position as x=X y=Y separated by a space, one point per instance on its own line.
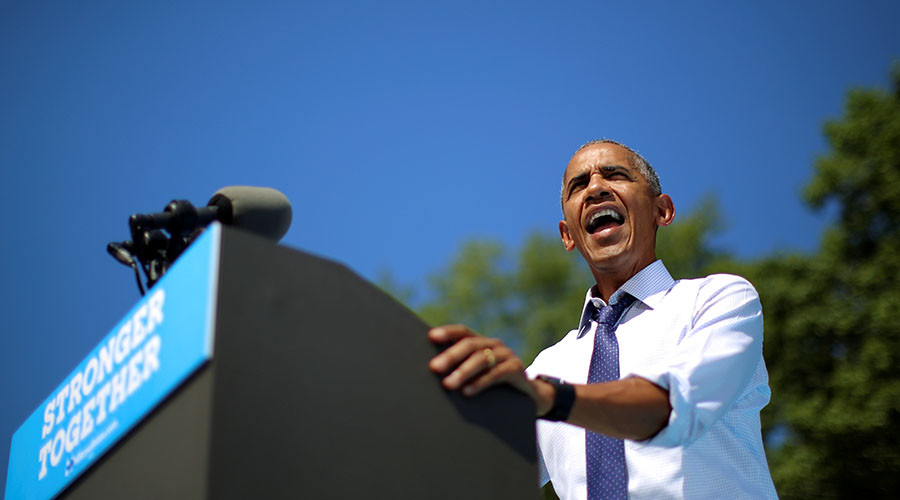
x=832 y=333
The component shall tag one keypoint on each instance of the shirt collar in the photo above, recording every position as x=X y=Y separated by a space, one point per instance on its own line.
x=649 y=286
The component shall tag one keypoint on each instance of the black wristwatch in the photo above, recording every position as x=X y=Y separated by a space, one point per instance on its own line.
x=563 y=399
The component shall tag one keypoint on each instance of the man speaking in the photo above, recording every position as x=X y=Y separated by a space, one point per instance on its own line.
x=657 y=393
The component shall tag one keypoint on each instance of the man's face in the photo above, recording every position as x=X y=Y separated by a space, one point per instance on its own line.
x=610 y=213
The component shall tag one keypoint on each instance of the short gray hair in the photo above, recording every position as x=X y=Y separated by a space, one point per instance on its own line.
x=640 y=162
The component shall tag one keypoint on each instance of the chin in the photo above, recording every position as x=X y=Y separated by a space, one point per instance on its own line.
x=607 y=259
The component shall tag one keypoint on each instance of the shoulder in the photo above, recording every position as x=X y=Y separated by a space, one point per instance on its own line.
x=713 y=298
x=725 y=302
x=730 y=286
x=717 y=286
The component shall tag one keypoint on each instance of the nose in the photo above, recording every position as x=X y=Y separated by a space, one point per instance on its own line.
x=597 y=189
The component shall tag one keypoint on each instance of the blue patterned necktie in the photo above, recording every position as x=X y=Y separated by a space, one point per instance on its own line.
x=607 y=476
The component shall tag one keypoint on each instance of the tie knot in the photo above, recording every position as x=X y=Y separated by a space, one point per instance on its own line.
x=608 y=315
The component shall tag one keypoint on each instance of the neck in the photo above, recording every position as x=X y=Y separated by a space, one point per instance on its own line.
x=607 y=287
x=610 y=280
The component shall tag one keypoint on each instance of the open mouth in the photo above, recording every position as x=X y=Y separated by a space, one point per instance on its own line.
x=604 y=219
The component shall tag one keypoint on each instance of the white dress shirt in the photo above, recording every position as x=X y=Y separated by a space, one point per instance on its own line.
x=701 y=340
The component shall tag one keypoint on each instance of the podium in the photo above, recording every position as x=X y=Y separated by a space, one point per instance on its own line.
x=315 y=386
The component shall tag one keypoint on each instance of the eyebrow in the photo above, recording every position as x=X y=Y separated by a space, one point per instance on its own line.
x=585 y=174
x=613 y=168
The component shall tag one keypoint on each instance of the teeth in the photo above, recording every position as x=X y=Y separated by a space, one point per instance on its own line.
x=598 y=218
x=607 y=212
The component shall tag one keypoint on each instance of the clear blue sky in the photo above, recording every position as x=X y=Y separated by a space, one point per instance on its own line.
x=397 y=129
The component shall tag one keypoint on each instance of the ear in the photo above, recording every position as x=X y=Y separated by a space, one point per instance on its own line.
x=564 y=235
x=665 y=210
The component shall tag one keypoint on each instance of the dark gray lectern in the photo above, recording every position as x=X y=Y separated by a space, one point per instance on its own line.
x=318 y=388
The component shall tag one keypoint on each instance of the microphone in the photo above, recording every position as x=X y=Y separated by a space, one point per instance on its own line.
x=263 y=211
x=260 y=210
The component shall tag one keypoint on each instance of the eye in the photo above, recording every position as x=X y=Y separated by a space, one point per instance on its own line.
x=576 y=184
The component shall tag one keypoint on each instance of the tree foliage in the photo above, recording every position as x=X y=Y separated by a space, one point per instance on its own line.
x=832 y=317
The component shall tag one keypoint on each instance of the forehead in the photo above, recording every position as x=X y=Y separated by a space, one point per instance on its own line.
x=598 y=155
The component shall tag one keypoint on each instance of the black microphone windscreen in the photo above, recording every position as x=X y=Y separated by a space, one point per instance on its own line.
x=260 y=210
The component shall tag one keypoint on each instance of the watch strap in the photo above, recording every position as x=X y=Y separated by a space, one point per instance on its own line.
x=563 y=399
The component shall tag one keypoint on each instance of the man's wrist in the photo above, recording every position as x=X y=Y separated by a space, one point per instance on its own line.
x=563 y=399
x=544 y=394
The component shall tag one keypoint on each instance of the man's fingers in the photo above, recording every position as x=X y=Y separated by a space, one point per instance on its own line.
x=502 y=372
x=478 y=361
x=449 y=333
x=472 y=362
x=458 y=352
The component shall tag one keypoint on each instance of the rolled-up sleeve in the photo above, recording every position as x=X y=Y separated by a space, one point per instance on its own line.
x=713 y=362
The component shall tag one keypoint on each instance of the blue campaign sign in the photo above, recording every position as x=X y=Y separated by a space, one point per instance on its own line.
x=156 y=346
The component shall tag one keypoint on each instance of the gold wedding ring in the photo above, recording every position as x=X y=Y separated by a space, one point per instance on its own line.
x=491 y=359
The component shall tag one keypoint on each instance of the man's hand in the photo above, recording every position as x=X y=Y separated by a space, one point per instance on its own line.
x=473 y=363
